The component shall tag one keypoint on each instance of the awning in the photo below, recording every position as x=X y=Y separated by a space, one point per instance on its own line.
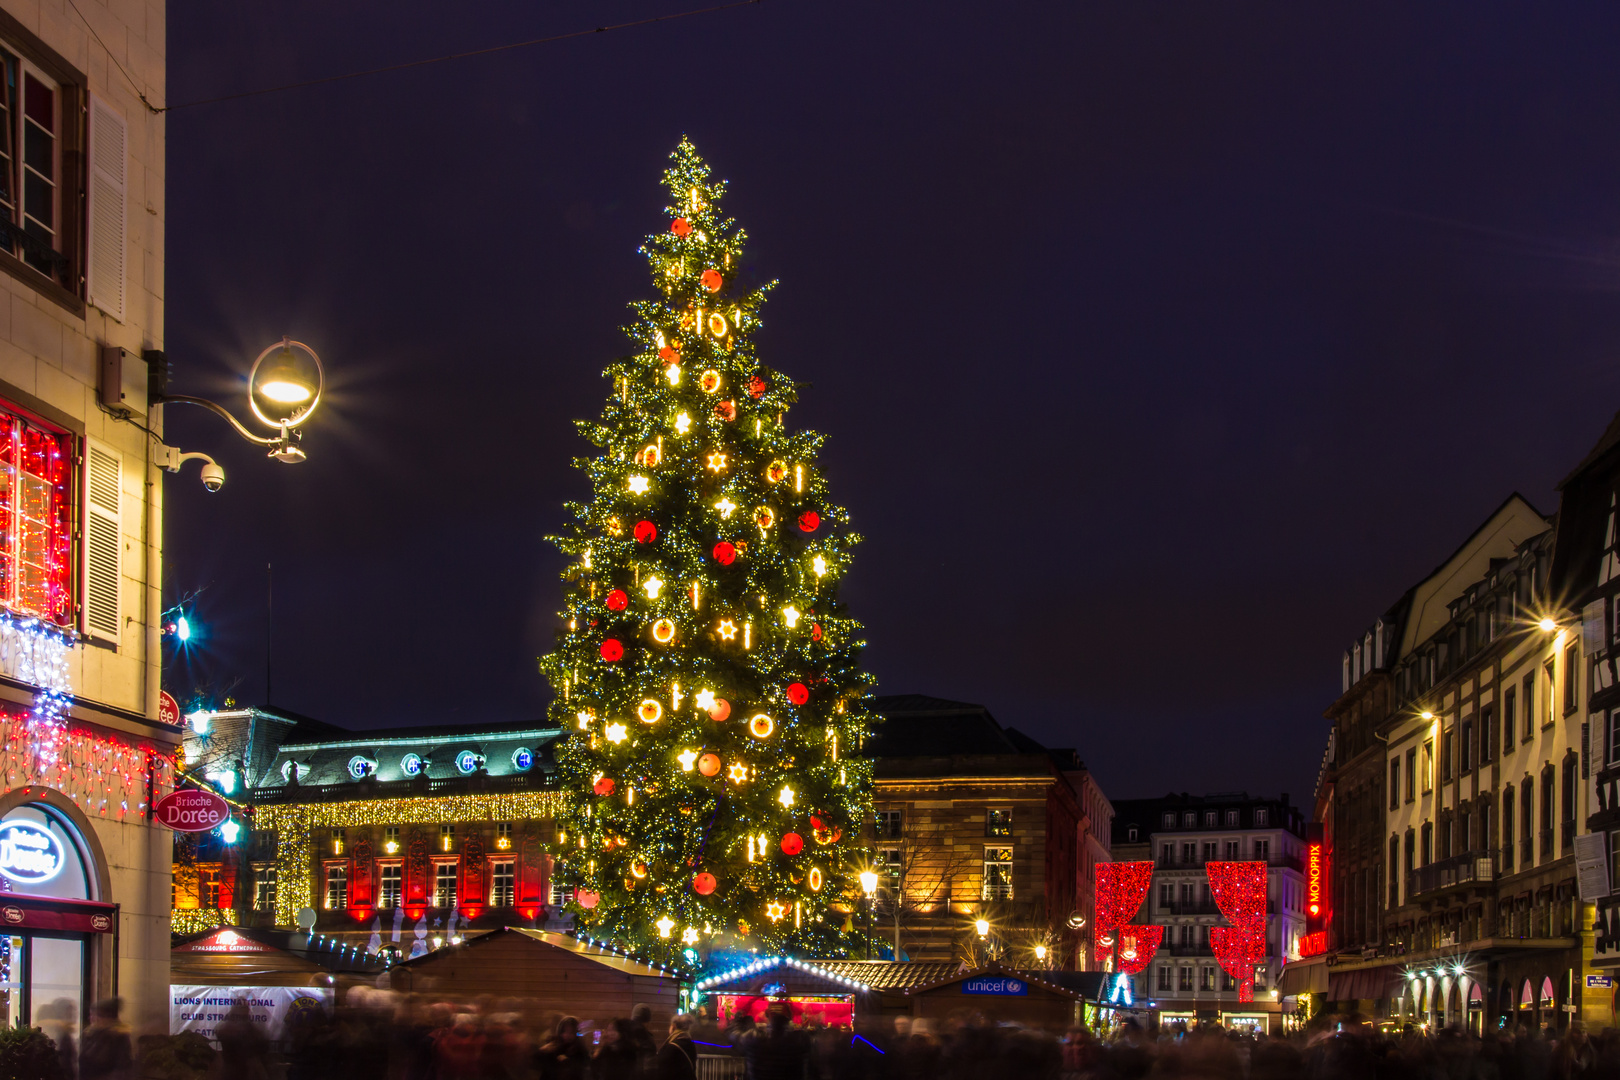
x=1303 y=977
x=1371 y=984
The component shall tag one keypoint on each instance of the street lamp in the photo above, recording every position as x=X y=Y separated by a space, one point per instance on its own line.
x=869 y=881
x=284 y=389
x=1040 y=955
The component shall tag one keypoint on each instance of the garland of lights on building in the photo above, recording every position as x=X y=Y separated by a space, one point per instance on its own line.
x=707 y=674
x=296 y=824
x=1239 y=889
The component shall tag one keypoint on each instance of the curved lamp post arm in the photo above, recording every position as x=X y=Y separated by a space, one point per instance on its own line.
x=234 y=422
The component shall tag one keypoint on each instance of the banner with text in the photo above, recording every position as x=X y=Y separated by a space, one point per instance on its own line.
x=274 y=1009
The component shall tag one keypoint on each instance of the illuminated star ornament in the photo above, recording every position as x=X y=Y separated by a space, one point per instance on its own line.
x=717 y=463
x=786 y=797
x=689 y=936
x=705 y=699
x=725 y=506
x=737 y=773
x=774 y=911
x=819 y=565
x=683 y=423
x=727 y=629
x=615 y=733
x=638 y=484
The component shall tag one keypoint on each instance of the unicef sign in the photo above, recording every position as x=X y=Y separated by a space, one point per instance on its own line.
x=29 y=855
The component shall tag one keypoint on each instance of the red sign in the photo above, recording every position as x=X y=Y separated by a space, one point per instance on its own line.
x=225 y=940
x=168 y=709
x=190 y=810
x=1316 y=893
x=49 y=913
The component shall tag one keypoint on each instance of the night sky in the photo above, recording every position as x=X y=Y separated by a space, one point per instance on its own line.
x=1159 y=347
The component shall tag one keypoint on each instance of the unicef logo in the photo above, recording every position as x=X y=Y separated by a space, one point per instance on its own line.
x=29 y=854
x=1014 y=986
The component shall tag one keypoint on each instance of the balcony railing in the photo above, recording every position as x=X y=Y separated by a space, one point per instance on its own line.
x=1200 y=907
x=1465 y=869
x=1289 y=862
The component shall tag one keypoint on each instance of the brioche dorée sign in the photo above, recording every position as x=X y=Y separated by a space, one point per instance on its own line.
x=190 y=810
x=168 y=709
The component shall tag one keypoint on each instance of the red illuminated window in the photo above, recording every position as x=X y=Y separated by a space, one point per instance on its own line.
x=36 y=520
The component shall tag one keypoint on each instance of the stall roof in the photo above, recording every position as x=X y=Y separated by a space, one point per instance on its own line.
x=818 y=975
x=1034 y=978
x=892 y=975
x=229 y=954
x=565 y=942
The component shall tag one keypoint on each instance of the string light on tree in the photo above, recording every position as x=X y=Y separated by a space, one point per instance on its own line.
x=709 y=819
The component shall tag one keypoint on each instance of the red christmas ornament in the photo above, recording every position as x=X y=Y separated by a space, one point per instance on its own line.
x=703 y=884
x=669 y=355
x=711 y=280
x=756 y=387
x=709 y=764
x=809 y=521
x=726 y=410
x=617 y=600
x=680 y=227
x=792 y=844
x=815 y=822
x=646 y=532
x=721 y=710
x=797 y=693
x=724 y=553
x=587 y=899
x=612 y=650
x=604 y=786
x=815 y=631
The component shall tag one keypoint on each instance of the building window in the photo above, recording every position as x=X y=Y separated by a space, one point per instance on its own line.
x=444 y=885
x=1614 y=731
x=1487 y=735
x=1189 y=820
x=1548 y=715
x=389 y=880
x=890 y=861
x=1185 y=980
x=1164 y=976
x=1209 y=819
x=1510 y=720
x=1167 y=894
x=1227 y=982
x=447 y=838
x=1262 y=817
x=1262 y=850
x=1529 y=706
x=1232 y=818
x=560 y=893
x=1166 y=854
x=36 y=520
x=1209 y=851
x=1572 y=677
x=1547 y=812
x=1507 y=829
x=1614 y=856
x=1206 y=978
x=890 y=824
x=998 y=873
x=998 y=823
x=1465 y=747
x=1189 y=853
x=1566 y=800
x=1232 y=851
x=1186 y=935
x=1170 y=820
x=264 y=888
x=503 y=836
x=1130 y=834
x=1394 y=871
x=38 y=117
x=1428 y=766
x=1394 y=783
x=1527 y=823
x=339 y=838
x=208 y=888
x=502 y=882
x=1410 y=852
x=337 y=887
x=1428 y=843
x=391 y=839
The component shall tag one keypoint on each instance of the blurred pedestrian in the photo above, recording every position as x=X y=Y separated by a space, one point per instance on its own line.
x=677 y=1058
x=564 y=1057
x=105 y=1051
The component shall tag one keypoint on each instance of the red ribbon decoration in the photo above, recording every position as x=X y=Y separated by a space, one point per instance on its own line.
x=1239 y=889
x=1137 y=945
x=1121 y=888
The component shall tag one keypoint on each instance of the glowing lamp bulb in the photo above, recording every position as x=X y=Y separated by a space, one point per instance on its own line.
x=1548 y=625
x=182 y=628
x=688 y=759
x=1040 y=952
x=229 y=831
x=869 y=883
x=1426 y=714
x=982 y=926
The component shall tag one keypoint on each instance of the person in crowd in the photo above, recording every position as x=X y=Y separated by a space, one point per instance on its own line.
x=677 y=1058
x=616 y=1058
x=563 y=1056
x=105 y=1051
x=641 y=1039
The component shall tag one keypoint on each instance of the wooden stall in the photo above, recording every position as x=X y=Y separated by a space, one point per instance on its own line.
x=240 y=956
x=998 y=995
x=561 y=972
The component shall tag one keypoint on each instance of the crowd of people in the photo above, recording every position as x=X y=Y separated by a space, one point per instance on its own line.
x=379 y=1035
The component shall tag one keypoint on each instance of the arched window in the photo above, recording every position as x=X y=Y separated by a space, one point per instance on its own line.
x=42 y=854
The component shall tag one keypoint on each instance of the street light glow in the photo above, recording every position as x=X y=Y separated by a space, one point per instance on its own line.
x=982 y=926
x=869 y=883
x=1548 y=625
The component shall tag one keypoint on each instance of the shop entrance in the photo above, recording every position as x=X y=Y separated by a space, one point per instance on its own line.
x=43 y=975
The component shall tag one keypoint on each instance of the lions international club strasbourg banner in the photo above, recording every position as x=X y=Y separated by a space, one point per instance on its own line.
x=275 y=1009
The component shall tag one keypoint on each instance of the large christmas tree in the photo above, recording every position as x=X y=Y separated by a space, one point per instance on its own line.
x=707 y=675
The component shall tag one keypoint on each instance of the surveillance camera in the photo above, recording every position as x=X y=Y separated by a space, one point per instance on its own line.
x=213 y=477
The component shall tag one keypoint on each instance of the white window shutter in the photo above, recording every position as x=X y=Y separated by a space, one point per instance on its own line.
x=103 y=542
x=107 y=209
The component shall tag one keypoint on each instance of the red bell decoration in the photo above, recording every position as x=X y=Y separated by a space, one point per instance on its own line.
x=703 y=884
x=756 y=387
x=720 y=710
x=809 y=521
x=587 y=899
x=669 y=355
x=709 y=764
x=792 y=844
x=617 y=600
x=726 y=410
x=725 y=553
x=604 y=786
x=711 y=280
x=612 y=650
x=646 y=532
x=798 y=693
x=680 y=227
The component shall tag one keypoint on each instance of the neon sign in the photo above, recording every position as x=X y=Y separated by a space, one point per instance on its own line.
x=1315 y=887
x=29 y=854
x=1123 y=993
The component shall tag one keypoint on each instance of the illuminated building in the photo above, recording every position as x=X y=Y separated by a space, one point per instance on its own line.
x=1180 y=834
x=977 y=819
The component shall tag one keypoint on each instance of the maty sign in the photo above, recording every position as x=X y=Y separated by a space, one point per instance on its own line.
x=190 y=810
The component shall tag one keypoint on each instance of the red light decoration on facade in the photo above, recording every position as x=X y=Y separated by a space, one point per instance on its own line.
x=1137 y=946
x=1313 y=944
x=1239 y=889
x=1121 y=887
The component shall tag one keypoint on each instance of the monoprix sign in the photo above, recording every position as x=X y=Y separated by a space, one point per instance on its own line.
x=998 y=984
x=190 y=810
x=28 y=853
